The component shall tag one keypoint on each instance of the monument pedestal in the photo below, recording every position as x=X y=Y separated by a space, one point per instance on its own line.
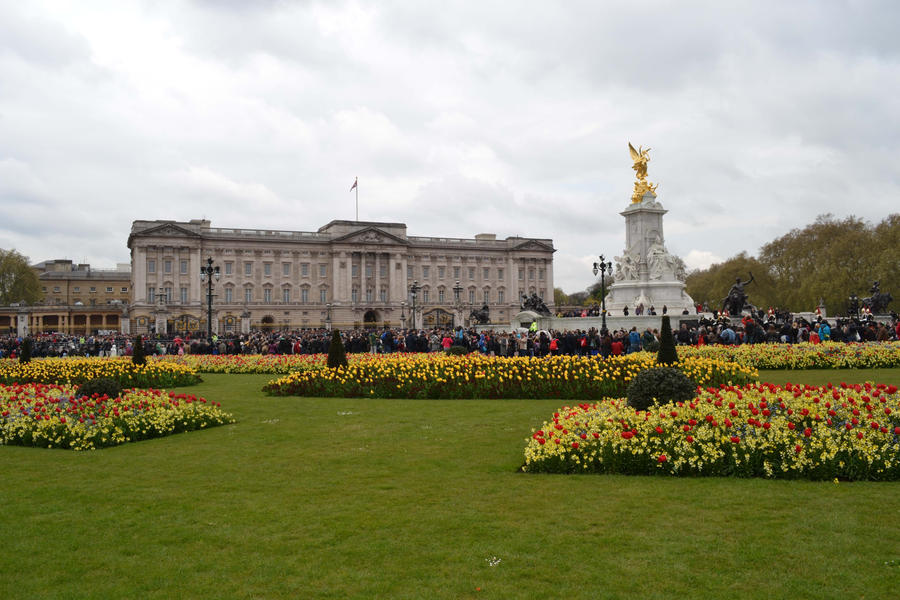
x=646 y=273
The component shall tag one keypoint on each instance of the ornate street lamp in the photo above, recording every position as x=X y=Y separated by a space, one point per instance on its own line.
x=457 y=301
x=414 y=293
x=603 y=268
x=328 y=317
x=403 y=315
x=207 y=274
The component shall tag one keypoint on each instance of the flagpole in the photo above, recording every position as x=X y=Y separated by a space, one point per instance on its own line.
x=357 y=198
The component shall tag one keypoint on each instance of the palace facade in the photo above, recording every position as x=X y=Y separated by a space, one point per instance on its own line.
x=77 y=299
x=346 y=274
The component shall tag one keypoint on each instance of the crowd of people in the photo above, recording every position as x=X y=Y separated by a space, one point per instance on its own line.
x=498 y=343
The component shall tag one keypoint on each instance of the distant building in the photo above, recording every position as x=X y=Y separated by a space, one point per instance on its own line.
x=77 y=299
x=346 y=274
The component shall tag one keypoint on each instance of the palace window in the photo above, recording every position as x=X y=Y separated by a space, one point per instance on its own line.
x=285 y=295
x=323 y=295
x=323 y=270
x=409 y=271
x=487 y=273
x=354 y=295
x=487 y=296
x=183 y=266
x=229 y=268
x=500 y=274
x=456 y=272
x=471 y=296
x=426 y=272
x=368 y=270
x=441 y=271
x=183 y=292
x=304 y=295
x=521 y=274
x=382 y=270
x=267 y=268
x=369 y=294
x=425 y=295
x=304 y=269
x=151 y=266
x=151 y=294
x=167 y=266
x=248 y=268
x=248 y=294
x=383 y=295
x=354 y=270
x=229 y=295
x=441 y=295
x=286 y=269
x=541 y=274
x=267 y=295
x=471 y=273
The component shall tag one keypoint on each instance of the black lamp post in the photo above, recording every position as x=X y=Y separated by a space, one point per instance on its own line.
x=403 y=315
x=206 y=274
x=413 y=294
x=328 y=317
x=603 y=268
x=457 y=302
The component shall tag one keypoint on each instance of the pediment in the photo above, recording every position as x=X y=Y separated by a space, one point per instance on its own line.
x=170 y=230
x=534 y=245
x=370 y=235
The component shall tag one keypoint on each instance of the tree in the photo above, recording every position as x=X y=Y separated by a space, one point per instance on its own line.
x=667 y=354
x=138 y=356
x=337 y=357
x=559 y=297
x=18 y=281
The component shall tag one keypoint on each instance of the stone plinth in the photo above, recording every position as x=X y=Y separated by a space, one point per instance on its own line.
x=647 y=273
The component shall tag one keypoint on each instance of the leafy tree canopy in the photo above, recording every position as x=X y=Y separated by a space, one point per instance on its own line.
x=18 y=281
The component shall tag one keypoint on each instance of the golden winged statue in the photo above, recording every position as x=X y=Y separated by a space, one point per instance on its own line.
x=641 y=186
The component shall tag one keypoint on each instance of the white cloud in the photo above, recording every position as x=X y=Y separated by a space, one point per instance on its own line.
x=457 y=118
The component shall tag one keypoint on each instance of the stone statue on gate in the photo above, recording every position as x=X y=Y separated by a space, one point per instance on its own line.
x=878 y=301
x=481 y=316
x=535 y=304
x=736 y=299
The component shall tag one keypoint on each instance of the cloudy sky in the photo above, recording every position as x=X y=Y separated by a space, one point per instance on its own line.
x=458 y=118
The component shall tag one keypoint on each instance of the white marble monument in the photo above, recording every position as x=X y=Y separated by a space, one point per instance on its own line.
x=646 y=274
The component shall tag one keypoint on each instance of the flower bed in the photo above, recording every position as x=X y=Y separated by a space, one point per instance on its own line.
x=477 y=376
x=828 y=355
x=52 y=416
x=759 y=430
x=250 y=363
x=78 y=370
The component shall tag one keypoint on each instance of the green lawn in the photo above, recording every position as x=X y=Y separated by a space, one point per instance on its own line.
x=337 y=498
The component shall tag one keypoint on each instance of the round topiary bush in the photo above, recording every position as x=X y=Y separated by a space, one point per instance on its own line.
x=457 y=351
x=100 y=386
x=660 y=385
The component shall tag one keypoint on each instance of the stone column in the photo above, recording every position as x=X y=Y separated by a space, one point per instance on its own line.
x=377 y=276
x=196 y=287
x=139 y=275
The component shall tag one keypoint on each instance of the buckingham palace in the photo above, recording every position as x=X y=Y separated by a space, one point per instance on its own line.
x=346 y=274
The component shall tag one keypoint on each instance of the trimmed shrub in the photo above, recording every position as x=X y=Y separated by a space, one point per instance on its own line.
x=138 y=356
x=667 y=354
x=100 y=386
x=337 y=357
x=659 y=385
x=25 y=350
x=457 y=350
